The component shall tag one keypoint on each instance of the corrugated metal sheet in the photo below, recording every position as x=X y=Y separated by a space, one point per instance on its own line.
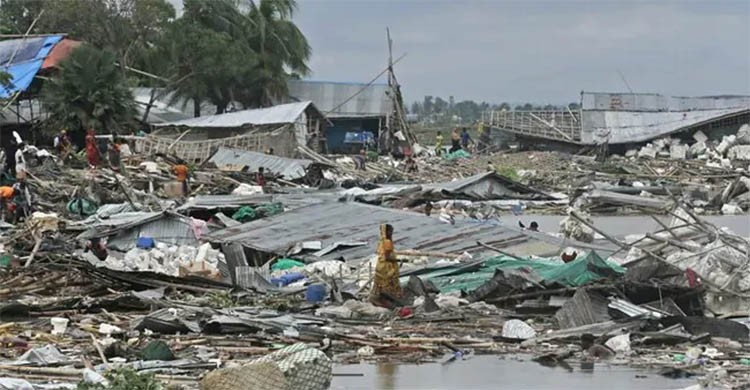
x=631 y=126
x=486 y=186
x=372 y=101
x=165 y=108
x=211 y=202
x=347 y=221
x=656 y=102
x=281 y=114
x=27 y=56
x=124 y=229
x=290 y=168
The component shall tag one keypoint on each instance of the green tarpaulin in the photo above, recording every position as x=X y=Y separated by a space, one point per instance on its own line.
x=248 y=213
x=583 y=270
x=284 y=264
x=460 y=153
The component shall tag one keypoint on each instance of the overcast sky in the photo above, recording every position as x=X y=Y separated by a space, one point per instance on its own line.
x=540 y=51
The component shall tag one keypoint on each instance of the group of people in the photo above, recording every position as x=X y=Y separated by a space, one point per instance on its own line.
x=462 y=140
x=459 y=141
x=116 y=149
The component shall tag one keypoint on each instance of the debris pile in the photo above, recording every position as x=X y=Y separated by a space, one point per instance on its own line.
x=266 y=277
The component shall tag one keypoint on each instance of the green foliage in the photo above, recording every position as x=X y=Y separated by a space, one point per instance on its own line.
x=125 y=379
x=220 y=51
x=227 y=54
x=17 y=15
x=88 y=91
x=5 y=79
x=508 y=172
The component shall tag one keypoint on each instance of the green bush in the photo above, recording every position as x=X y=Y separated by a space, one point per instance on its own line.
x=125 y=379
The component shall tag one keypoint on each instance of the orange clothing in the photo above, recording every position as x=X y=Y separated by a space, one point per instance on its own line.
x=181 y=171
x=6 y=192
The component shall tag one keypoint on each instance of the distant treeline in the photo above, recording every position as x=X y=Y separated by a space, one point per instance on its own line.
x=439 y=110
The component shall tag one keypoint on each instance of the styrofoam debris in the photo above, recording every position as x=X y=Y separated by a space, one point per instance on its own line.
x=334 y=311
x=743 y=135
x=697 y=148
x=517 y=329
x=328 y=268
x=164 y=259
x=647 y=151
x=739 y=152
x=445 y=301
x=700 y=136
x=731 y=209
x=726 y=142
x=678 y=152
x=247 y=189
x=108 y=329
x=619 y=344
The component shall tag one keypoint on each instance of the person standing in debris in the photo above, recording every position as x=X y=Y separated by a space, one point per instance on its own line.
x=455 y=141
x=92 y=151
x=6 y=198
x=113 y=153
x=386 y=289
x=63 y=145
x=465 y=139
x=428 y=208
x=181 y=171
x=359 y=160
x=438 y=144
x=20 y=161
x=410 y=166
x=21 y=201
x=260 y=177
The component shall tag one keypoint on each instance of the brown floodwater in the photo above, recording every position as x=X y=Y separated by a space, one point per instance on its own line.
x=493 y=372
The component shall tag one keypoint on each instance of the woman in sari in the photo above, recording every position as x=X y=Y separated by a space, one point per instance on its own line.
x=386 y=289
x=92 y=151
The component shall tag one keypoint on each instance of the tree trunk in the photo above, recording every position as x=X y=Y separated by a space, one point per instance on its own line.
x=221 y=108
x=196 y=107
x=150 y=104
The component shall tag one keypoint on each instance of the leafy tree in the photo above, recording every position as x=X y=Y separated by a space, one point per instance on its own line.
x=280 y=47
x=89 y=90
x=441 y=106
x=124 y=27
x=416 y=108
x=228 y=54
x=427 y=106
x=16 y=16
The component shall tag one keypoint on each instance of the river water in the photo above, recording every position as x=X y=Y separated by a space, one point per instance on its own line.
x=492 y=373
x=620 y=226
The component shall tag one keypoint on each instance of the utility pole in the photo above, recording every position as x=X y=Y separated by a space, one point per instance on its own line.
x=397 y=120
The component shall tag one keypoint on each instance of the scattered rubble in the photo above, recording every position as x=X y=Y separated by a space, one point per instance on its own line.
x=114 y=273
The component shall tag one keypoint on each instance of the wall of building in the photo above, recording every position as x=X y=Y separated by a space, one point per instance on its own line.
x=656 y=102
x=616 y=127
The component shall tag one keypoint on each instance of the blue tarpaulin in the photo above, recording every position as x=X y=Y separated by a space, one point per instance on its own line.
x=359 y=137
x=27 y=56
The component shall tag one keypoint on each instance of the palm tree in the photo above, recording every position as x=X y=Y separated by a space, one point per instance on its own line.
x=281 y=48
x=89 y=90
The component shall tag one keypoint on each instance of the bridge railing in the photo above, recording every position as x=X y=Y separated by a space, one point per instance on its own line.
x=556 y=125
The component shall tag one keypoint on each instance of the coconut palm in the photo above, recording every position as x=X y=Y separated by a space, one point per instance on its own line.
x=89 y=90
x=281 y=48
